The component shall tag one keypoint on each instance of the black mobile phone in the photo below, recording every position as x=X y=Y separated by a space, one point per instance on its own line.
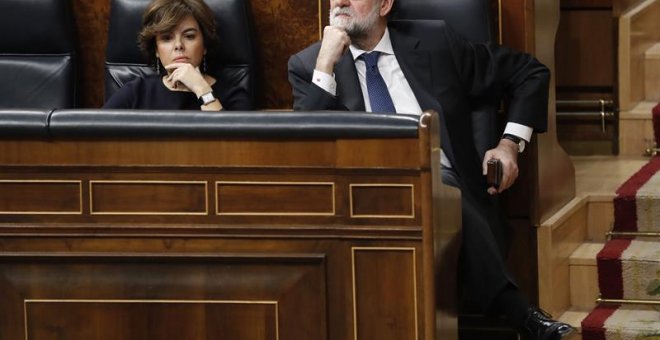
x=494 y=173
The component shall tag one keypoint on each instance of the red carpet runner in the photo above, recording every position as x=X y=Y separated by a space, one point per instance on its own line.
x=629 y=267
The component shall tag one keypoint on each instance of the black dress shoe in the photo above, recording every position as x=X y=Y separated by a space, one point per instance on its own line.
x=539 y=325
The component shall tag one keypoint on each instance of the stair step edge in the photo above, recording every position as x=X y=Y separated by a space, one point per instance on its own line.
x=574 y=316
x=653 y=52
x=585 y=254
x=641 y=111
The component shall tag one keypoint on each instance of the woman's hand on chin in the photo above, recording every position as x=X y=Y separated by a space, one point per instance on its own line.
x=188 y=76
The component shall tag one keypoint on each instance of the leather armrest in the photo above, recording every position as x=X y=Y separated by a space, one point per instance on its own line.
x=249 y=124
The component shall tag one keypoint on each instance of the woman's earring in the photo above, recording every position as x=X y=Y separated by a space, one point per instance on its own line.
x=204 y=64
x=157 y=66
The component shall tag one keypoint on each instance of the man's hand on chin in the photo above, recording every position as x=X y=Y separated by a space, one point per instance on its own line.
x=334 y=44
x=507 y=152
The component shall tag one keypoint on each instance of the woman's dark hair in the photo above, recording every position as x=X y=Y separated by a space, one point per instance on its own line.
x=162 y=16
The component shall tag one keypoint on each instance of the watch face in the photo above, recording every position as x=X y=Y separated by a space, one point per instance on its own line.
x=208 y=98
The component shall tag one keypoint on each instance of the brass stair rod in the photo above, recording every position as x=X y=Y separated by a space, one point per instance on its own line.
x=602 y=103
x=633 y=233
x=628 y=301
x=585 y=102
x=586 y=113
x=602 y=115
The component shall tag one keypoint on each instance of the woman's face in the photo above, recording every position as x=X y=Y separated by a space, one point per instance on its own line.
x=184 y=44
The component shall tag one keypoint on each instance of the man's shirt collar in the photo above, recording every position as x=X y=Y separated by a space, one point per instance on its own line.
x=384 y=46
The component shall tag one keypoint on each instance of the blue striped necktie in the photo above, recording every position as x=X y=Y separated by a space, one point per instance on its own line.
x=379 y=96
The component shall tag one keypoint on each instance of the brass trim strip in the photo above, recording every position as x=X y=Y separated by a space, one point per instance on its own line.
x=80 y=197
x=161 y=301
x=320 y=20
x=414 y=260
x=412 y=199
x=252 y=213
x=499 y=21
x=254 y=302
x=629 y=301
x=634 y=233
x=149 y=213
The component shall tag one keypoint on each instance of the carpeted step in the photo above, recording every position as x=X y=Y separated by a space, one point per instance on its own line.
x=629 y=269
x=622 y=322
x=637 y=204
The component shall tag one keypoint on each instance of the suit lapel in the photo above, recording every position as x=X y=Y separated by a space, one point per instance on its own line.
x=416 y=66
x=349 y=92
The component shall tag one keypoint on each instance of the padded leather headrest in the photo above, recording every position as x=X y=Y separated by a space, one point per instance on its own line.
x=37 y=54
x=36 y=27
x=234 y=31
x=469 y=18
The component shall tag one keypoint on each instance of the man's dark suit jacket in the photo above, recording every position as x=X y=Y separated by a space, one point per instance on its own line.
x=445 y=72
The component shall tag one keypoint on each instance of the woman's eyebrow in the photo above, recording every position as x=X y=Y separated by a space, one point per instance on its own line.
x=191 y=29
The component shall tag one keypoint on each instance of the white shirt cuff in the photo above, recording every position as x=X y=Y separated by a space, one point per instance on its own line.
x=325 y=81
x=519 y=130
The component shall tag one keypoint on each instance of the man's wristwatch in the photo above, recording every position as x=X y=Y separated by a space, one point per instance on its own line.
x=207 y=98
x=519 y=141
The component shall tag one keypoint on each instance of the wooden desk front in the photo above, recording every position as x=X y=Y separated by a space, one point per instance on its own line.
x=234 y=238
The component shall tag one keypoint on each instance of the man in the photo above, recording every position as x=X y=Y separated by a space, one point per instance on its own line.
x=415 y=68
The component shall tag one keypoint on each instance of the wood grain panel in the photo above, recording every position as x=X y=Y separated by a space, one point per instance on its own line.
x=303 y=263
x=138 y=320
x=584 y=286
x=636 y=135
x=518 y=24
x=600 y=219
x=639 y=29
x=557 y=241
x=148 y=197
x=283 y=28
x=350 y=155
x=163 y=296
x=385 y=293
x=275 y=198
x=40 y=197
x=213 y=153
x=586 y=4
x=585 y=49
x=382 y=200
x=620 y=6
x=91 y=19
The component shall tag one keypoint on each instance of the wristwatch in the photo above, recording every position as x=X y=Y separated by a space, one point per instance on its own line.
x=206 y=98
x=519 y=141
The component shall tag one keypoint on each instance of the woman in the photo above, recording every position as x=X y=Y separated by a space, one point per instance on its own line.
x=178 y=35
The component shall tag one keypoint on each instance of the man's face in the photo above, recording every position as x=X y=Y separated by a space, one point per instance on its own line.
x=357 y=17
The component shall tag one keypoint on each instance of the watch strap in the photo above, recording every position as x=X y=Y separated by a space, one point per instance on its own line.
x=206 y=98
x=519 y=141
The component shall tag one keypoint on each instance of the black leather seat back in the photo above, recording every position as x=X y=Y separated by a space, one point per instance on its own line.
x=236 y=54
x=37 y=54
x=470 y=19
